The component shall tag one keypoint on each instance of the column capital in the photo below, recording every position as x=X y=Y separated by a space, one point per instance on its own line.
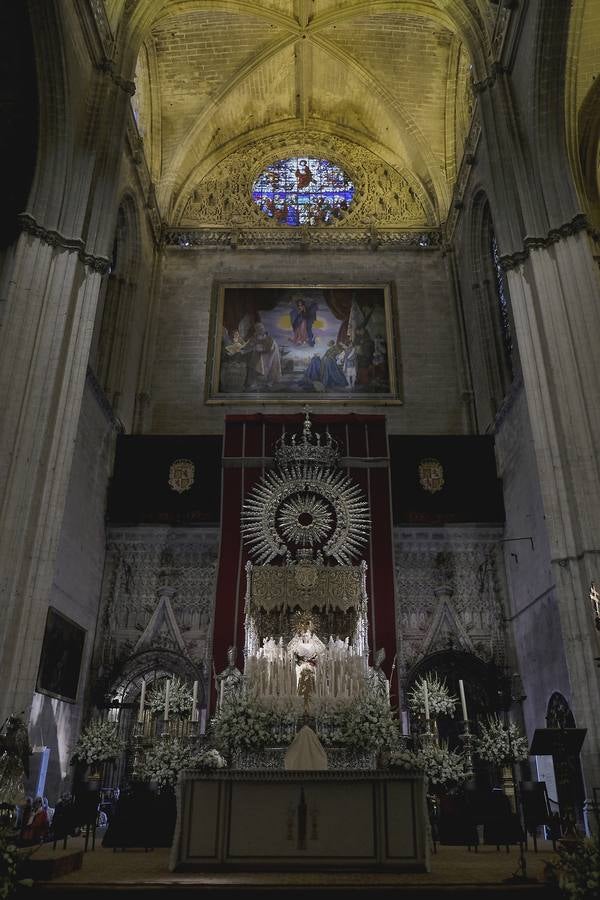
x=54 y=238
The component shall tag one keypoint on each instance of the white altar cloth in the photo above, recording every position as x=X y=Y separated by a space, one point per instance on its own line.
x=272 y=819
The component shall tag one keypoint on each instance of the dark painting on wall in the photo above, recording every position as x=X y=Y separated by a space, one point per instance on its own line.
x=290 y=343
x=60 y=663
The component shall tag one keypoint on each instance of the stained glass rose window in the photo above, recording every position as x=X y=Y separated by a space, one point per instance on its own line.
x=303 y=190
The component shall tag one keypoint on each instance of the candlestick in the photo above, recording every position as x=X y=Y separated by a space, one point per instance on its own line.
x=426 y=696
x=142 y=701
x=167 y=693
x=195 y=702
x=463 y=701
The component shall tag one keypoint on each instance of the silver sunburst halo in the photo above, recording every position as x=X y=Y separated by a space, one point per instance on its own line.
x=305 y=520
x=268 y=508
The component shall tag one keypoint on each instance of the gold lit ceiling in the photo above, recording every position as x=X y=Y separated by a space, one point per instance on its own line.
x=385 y=86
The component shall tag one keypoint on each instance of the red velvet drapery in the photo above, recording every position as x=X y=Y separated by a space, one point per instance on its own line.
x=248 y=446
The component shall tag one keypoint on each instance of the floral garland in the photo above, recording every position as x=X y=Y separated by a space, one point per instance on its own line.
x=242 y=724
x=501 y=744
x=163 y=762
x=180 y=699
x=98 y=742
x=441 y=701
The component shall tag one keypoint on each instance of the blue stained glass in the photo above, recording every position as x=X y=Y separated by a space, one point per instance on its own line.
x=501 y=294
x=303 y=190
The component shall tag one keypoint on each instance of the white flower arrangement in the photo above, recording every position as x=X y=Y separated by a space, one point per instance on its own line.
x=370 y=725
x=576 y=870
x=163 y=762
x=501 y=744
x=11 y=779
x=98 y=742
x=210 y=759
x=9 y=865
x=404 y=759
x=331 y=725
x=180 y=699
x=442 y=766
x=242 y=724
x=441 y=701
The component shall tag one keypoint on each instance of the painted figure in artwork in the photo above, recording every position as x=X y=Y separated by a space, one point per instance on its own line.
x=349 y=365
x=365 y=347
x=331 y=373
x=302 y=316
x=236 y=345
x=264 y=365
x=303 y=174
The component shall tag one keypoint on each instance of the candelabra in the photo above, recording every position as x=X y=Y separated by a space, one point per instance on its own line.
x=467 y=740
x=517 y=696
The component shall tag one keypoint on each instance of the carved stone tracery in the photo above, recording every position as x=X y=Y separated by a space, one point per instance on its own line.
x=383 y=195
x=449 y=594
x=139 y=563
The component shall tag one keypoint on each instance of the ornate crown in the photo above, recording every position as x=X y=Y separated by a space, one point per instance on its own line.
x=306 y=447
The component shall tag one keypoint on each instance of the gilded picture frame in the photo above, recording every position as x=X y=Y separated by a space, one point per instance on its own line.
x=317 y=343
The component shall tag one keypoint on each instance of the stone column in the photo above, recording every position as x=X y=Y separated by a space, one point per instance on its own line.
x=46 y=336
x=555 y=294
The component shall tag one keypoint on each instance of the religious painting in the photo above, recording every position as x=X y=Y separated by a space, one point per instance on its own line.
x=283 y=343
x=60 y=663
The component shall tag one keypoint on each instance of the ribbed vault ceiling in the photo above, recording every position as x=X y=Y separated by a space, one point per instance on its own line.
x=392 y=78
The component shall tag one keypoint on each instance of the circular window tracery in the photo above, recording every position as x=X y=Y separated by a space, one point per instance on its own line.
x=303 y=190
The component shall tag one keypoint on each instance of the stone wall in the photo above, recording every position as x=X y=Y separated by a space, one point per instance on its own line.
x=431 y=367
x=533 y=612
x=77 y=580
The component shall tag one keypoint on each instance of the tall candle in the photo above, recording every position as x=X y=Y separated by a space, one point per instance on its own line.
x=426 y=696
x=463 y=701
x=142 y=701
x=195 y=702
x=167 y=692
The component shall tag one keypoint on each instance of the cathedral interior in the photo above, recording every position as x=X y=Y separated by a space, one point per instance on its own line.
x=225 y=218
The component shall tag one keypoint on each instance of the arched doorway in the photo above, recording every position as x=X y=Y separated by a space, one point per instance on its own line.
x=145 y=672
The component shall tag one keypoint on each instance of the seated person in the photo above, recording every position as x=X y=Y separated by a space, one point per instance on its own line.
x=35 y=829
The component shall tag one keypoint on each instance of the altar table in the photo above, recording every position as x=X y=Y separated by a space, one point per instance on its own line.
x=272 y=819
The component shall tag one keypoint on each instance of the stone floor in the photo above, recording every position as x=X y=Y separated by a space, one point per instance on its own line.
x=454 y=870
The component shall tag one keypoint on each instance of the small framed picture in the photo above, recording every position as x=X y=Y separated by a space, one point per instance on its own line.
x=62 y=652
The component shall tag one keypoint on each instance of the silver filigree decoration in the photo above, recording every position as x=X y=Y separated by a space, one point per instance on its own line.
x=306 y=520
x=267 y=513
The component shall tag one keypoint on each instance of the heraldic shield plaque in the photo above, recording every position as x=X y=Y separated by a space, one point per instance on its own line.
x=431 y=475
x=181 y=475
